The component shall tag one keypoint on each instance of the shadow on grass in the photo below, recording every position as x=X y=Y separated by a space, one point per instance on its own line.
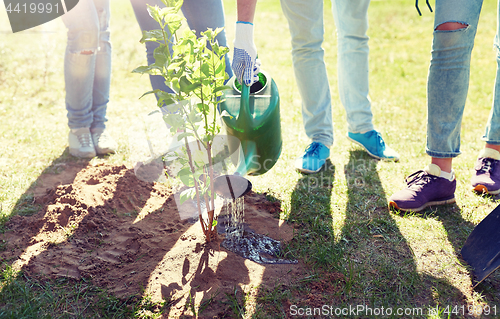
x=377 y=267
x=458 y=230
x=387 y=269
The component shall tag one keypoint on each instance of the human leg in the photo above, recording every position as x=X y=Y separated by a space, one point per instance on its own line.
x=79 y=63
x=486 y=176
x=146 y=23
x=203 y=14
x=447 y=86
x=305 y=20
x=351 y=20
x=79 y=71
x=102 y=74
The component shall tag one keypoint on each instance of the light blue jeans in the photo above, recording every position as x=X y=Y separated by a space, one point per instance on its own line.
x=305 y=20
x=448 y=80
x=199 y=14
x=87 y=64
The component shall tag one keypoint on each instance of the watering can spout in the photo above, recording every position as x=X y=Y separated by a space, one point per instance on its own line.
x=254 y=119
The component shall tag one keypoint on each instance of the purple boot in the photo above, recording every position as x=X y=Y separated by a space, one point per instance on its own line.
x=425 y=188
x=486 y=179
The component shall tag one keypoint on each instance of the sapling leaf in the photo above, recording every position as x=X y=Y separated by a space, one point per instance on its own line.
x=174 y=119
x=185 y=134
x=154 y=13
x=150 y=92
x=173 y=22
x=214 y=223
x=186 y=86
x=222 y=88
x=145 y=69
x=151 y=36
x=187 y=194
x=205 y=68
x=167 y=99
x=186 y=176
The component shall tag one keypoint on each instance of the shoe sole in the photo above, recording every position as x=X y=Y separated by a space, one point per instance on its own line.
x=105 y=151
x=79 y=154
x=481 y=189
x=389 y=159
x=393 y=205
x=306 y=171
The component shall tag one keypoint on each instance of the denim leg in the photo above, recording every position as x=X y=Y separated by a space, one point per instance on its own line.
x=102 y=77
x=80 y=61
x=351 y=20
x=203 y=14
x=492 y=134
x=305 y=20
x=200 y=15
x=147 y=23
x=448 y=79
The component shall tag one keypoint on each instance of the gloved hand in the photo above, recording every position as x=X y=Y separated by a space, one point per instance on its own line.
x=245 y=64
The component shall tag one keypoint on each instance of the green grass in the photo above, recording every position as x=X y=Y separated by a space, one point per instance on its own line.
x=384 y=259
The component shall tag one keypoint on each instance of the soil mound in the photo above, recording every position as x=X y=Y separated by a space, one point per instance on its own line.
x=100 y=222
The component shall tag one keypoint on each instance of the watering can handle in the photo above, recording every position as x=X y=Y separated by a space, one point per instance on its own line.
x=244 y=118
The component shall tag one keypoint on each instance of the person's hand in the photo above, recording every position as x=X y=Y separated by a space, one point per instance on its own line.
x=245 y=64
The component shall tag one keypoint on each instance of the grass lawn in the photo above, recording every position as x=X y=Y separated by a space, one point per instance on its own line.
x=406 y=261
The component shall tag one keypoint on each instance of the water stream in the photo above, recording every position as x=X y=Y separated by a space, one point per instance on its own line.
x=243 y=241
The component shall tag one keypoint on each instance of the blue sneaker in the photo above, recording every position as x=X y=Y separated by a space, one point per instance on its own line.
x=374 y=145
x=313 y=159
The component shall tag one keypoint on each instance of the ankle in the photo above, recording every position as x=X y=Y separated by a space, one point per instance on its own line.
x=445 y=164
x=490 y=152
x=449 y=176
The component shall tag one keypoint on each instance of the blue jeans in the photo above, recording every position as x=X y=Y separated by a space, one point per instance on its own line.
x=200 y=15
x=448 y=80
x=87 y=64
x=305 y=20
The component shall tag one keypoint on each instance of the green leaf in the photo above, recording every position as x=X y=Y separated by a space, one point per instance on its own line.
x=154 y=13
x=194 y=117
x=160 y=56
x=205 y=68
x=152 y=36
x=183 y=135
x=186 y=176
x=165 y=98
x=149 y=69
x=150 y=92
x=222 y=88
x=186 y=86
x=187 y=194
x=214 y=223
x=174 y=119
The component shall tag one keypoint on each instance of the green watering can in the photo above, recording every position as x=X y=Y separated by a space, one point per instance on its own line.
x=253 y=117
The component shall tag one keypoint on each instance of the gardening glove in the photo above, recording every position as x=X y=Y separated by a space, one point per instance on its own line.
x=245 y=64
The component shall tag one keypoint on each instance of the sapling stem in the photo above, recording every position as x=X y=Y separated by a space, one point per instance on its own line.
x=198 y=199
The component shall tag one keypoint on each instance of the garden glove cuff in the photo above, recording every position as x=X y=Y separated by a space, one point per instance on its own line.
x=245 y=64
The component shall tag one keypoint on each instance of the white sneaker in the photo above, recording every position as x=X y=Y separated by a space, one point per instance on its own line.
x=103 y=142
x=80 y=143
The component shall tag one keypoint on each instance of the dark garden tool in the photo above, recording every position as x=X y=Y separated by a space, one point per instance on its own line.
x=482 y=248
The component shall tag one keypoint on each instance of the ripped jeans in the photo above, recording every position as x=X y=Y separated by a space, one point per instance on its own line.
x=87 y=64
x=448 y=80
